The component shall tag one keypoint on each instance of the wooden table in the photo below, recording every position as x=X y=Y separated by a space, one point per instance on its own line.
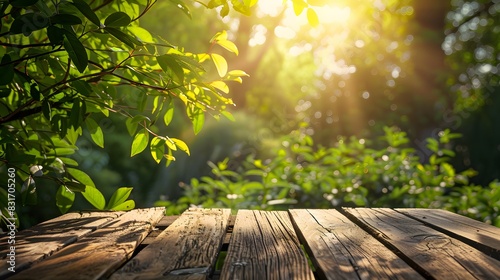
x=347 y=243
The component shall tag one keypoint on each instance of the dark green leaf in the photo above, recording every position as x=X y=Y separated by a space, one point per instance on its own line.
x=6 y=71
x=118 y=34
x=64 y=199
x=117 y=19
x=76 y=51
x=85 y=9
x=55 y=34
x=23 y=3
x=82 y=87
x=179 y=4
x=118 y=197
x=65 y=19
x=29 y=22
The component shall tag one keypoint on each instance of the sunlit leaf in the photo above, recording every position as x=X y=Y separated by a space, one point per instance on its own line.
x=95 y=197
x=220 y=63
x=228 y=45
x=179 y=4
x=220 y=85
x=169 y=114
x=81 y=176
x=157 y=147
x=312 y=17
x=140 y=142
x=95 y=132
x=299 y=6
x=228 y=115
x=119 y=196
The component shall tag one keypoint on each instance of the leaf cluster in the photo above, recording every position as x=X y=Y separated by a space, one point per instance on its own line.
x=67 y=65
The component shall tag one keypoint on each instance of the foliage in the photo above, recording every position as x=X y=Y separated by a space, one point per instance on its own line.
x=352 y=173
x=66 y=66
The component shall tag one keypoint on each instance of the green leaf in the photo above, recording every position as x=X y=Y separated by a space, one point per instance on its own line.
x=181 y=145
x=169 y=64
x=65 y=19
x=220 y=63
x=118 y=34
x=140 y=142
x=81 y=176
x=228 y=45
x=46 y=110
x=228 y=115
x=117 y=19
x=27 y=23
x=198 y=120
x=76 y=51
x=179 y=4
x=95 y=197
x=55 y=34
x=64 y=199
x=125 y=206
x=6 y=71
x=119 y=196
x=169 y=114
x=299 y=6
x=131 y=126
x=85 y=9
x=312 y=17
x=95 y=132
x=23 y=3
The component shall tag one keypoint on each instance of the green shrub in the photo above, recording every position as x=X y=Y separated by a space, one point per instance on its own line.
x=351 y=173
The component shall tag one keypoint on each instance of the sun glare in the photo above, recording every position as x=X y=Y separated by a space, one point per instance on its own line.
x=291 y=23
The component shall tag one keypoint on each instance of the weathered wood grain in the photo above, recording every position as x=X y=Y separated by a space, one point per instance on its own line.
x=187 y=249
x=481 y=236
x=264 y=246
x=97 y=254
x=431 y=252
x=342 y=250
x=42 y=240
x=165 y=222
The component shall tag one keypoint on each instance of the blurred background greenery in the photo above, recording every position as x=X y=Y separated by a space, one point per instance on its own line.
x=364 y=109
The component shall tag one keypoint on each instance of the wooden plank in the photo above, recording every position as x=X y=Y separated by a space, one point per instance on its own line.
x=431 y=252
x=264 y=246
x=342 y=250
x=99 y=253
x=42 y=240
x=187 y=249
x=481 y=236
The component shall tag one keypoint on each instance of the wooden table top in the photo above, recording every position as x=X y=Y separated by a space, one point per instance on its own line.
x=347 y=243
